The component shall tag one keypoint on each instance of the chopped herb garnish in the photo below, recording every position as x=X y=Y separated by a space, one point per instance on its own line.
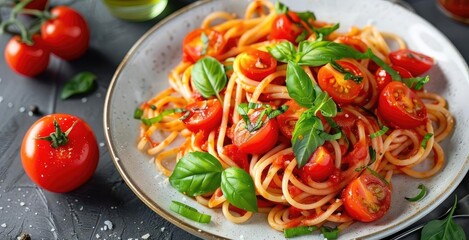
x=381 y=132
x=425 y=140
x=330 y=233
x=418 y=197
x=298 y=231
x=347 y=74
x=189 y=212
x=138 y=113
x=153 y=120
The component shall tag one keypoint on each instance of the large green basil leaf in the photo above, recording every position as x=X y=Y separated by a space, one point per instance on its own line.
x=209 y=77
x=238 y=188
x=299 y=85
x=283 y=52
x=196 y=173
x=83 y=82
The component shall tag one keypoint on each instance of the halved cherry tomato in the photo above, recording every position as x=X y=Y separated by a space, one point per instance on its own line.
x=288 y=119
x=333 y=82
x=203 y=115
x=286 y=26
x=259 y=141
x=400 y=107
x=59 y=162
x=256 y=64
x=66 y=33
x=354 y=42
x=28 y=60
x=383 y=77
x=202 y=42
x=416 y=63
x=319 y=166
x=367 y=198
x=238 y=156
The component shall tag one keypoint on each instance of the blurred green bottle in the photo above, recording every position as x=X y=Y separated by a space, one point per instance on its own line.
x=136 y=10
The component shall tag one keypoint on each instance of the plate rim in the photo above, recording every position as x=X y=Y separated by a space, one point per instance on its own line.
x=191 y=228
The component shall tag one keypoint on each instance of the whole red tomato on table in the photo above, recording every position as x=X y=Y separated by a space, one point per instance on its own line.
x=59 y=152
x=66 y=33
x=27 y=59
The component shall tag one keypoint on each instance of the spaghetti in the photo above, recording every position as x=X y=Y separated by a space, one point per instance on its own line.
x=289 y=194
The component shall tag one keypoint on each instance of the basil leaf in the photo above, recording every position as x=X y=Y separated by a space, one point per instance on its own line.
x=83 y=82
x=325 y=31
x=445 y=229
x=209 y=77
x=196 y=173
x=298 y=231
x=238 y=188
x=299 y=85
x=417 y=82
x=322 y=52
x=325 y=104
x=189 y=212
x=372 y=153
x=383 y=130
x=306 y=17
x=283 y=52
x=280 y=8
x=306 y=136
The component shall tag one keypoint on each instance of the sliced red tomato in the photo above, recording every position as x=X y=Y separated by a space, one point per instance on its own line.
x=259 y=141
x=288 y=119
x=334 y=83
x=367 y=198
x=203 y=115
x=202 y=42
x=319 y=166
x=286 y=26
x=238 y=156
x=28 y=60
x=383 y=77
x=400 y=107
x=256 y=64
x=354 y=42
x=416 y=63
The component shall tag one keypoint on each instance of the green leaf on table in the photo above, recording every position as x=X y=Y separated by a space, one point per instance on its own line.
x=83 y=82
x=445 y=229
x=238 y=188
x=196 y=173
x=209 y=77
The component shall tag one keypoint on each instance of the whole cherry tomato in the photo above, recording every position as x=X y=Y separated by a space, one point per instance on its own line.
x=333 y=82
x=36 y=5
x=319 y=166
x=287 y=26
x=416 y=63
x=256 y=64
x=59 y=152
x=202 y=42
x=28 y=60
x=66 y=33
x=383 y=77
x=400 y=107
x=203 y=115
x=367 y=198
x=259 y=141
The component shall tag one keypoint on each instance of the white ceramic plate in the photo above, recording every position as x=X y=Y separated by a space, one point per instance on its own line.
x=144 y=70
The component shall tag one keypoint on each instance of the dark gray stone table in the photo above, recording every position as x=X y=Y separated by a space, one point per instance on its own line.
x=89 y=212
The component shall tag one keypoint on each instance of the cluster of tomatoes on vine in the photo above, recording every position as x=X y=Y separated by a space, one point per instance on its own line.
x=61 y=31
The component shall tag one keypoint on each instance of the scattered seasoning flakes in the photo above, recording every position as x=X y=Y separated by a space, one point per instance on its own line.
x=52 y=230
x=101 y=144
x=10 y=105
x=108 y=224
x=4 y=225
x=22 y=109
x=146 y=236
x=22 y=203
x=162 y=229
x=1 y=99
x=84 y=100
x=97 y=236
x=81 y=208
